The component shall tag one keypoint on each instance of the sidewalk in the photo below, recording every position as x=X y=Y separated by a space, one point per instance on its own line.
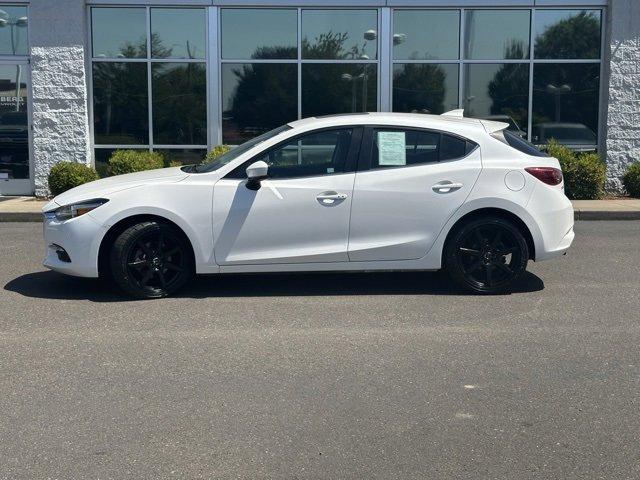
x=27 y=209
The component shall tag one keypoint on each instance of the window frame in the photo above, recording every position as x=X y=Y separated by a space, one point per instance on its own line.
x=365 y=159
x=148 y=60
x=350 y=164
x=299 y=61
x=532 y=60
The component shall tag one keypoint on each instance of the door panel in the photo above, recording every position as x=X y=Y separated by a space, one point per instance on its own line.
x=14 y=130
x=285 y=221
x=397 y=213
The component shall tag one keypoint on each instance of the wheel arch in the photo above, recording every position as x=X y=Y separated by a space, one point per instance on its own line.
x=494 y=212
x=124 y=223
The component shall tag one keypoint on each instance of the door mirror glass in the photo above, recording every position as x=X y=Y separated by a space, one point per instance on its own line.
x=256 y=172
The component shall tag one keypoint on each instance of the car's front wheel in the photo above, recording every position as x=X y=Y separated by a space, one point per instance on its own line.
x=486 y=255
x=151 y=259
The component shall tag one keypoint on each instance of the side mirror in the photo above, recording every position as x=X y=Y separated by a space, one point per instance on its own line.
x=256 y=172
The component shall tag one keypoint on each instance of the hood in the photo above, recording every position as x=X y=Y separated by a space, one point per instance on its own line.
x=106 y=186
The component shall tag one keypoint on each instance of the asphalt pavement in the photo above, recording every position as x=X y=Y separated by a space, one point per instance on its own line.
x=325 y=376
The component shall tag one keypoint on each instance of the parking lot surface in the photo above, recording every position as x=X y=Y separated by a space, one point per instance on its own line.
x=325 y=376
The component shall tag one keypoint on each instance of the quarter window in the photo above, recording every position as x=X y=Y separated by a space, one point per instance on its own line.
x=315 y=154
x=404 y=148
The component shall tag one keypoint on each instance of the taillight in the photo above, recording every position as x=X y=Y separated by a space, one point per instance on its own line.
x=548 y=175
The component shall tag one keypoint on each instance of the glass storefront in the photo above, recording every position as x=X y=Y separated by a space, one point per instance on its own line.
x=149 y=81
x=180 y=80
x=15 y=170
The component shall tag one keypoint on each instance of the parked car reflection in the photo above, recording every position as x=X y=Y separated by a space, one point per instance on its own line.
x=576 y=136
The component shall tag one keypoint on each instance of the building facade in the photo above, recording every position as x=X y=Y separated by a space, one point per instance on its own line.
x=82 y=78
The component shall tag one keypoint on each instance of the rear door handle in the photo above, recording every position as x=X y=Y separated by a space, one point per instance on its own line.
x=331 y=198
x=446 y=187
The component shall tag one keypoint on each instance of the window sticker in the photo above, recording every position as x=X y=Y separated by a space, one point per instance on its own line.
x=392 y=148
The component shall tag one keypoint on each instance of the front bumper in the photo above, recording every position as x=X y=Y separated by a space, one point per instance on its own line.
x=80 y=237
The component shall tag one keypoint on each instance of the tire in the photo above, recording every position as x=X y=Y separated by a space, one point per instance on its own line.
x=486 y=255
x=151 y=260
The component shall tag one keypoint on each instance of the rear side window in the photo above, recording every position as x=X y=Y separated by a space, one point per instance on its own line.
x=520 y=143
x=403 y=148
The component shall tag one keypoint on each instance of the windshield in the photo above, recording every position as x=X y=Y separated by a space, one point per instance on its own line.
x=239 y=150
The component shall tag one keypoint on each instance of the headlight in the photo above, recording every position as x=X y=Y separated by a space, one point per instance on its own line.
x=75 y=209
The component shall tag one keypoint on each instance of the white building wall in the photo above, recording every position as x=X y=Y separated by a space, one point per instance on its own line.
x=623 y=115
x=57 y=30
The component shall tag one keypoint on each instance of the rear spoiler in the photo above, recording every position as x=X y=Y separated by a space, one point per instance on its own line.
x=489 y=125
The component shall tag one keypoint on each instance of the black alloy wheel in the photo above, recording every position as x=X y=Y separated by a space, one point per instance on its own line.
x=151 y=260
x=487 y=255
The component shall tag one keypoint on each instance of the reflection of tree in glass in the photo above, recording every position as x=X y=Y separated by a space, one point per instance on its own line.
x=509 y=87
x=419 y=88
x=179 y=103
x=568 y=92
x=575 y=37
x=120 y=102
x=330 y=45
x=120 y=99
x=265 y=97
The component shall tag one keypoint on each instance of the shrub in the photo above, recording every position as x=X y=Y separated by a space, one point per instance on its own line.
x=67 y=175
x=129 y=161
x=584 y=174
x=216 y=152
x=631 y=180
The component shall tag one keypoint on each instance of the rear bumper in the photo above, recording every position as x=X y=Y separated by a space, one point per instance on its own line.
x=553 y=212
x=559 y=249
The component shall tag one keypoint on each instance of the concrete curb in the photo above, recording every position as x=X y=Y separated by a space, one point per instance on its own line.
x=607 y=215
x=20 y=217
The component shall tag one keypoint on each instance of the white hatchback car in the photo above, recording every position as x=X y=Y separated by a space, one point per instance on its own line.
x=377 y=191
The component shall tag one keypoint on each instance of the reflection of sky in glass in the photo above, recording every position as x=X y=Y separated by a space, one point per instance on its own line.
x=115 y=28
x=245 y=30
x=426 y=34
x=177 y=28
x=490 y=33
x=549 y=18
x=352 y=22
x=18 y=45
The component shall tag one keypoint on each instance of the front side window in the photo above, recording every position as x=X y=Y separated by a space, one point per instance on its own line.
x=405 y=148
x=314 y=154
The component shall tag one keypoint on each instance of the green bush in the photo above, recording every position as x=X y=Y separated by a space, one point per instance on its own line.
x=67 y=175
x=584 y=173
x=216 y=152
x=129 y=161
x=631 y=180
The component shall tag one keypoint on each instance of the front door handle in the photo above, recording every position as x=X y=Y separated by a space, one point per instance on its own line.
x=331 y=198
x=446 y=187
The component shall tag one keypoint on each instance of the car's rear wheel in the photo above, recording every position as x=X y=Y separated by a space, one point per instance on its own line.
x=486 y=255
x=151 y=259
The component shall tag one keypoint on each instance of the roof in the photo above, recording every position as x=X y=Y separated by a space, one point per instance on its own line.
x=443 y=122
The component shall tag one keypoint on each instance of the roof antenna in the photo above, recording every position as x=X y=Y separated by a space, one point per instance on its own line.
x=454 y=113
